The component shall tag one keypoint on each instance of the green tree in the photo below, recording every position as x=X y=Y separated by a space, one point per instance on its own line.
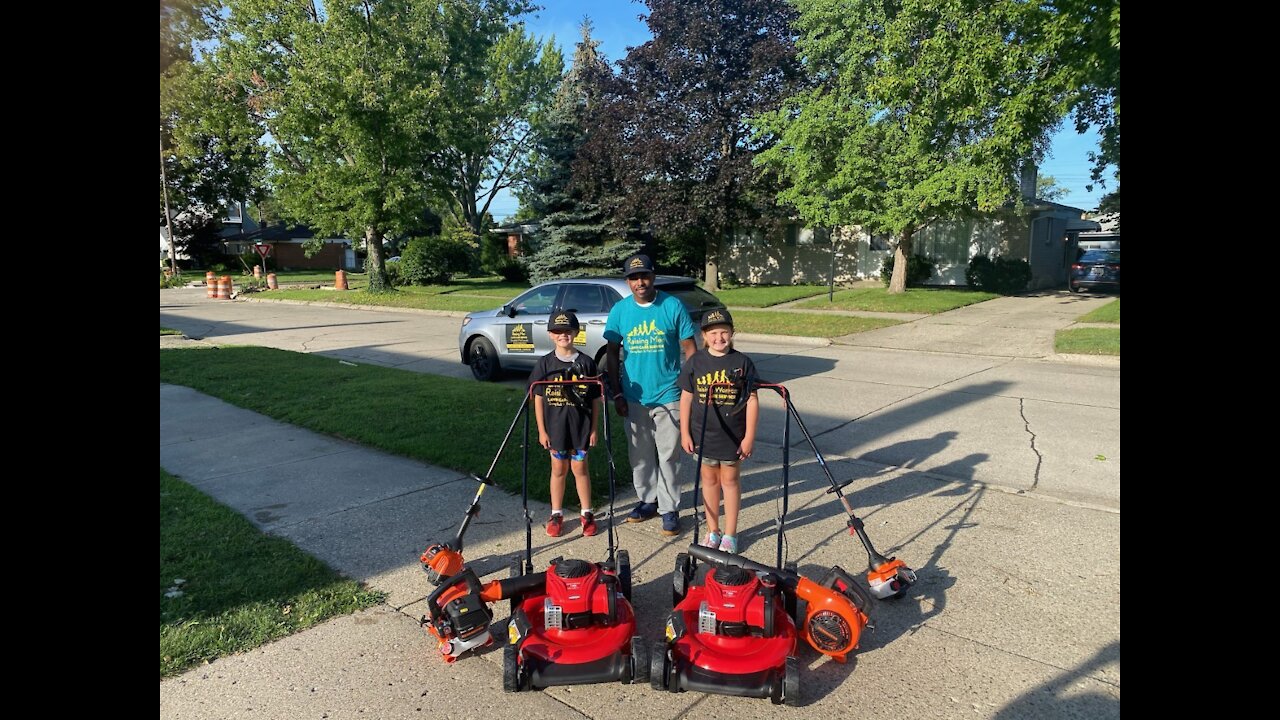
x=209 y=150
x=679 y=145
x=357 y=98
x=183 y=24
x=576 y=236
x=1084 y=37
x=499 y=126
x=920 y=111
x=1047 y=188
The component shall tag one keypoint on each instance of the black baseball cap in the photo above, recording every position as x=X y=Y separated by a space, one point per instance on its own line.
x=563 y=321
x=716 y=316
x=637 y=264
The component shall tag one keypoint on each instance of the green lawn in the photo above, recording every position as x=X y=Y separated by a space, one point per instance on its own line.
x=355 y=280
x=445 y=421
x=425 y=298
x=226 y=587
x=1088 y=341
x=1109 y=313
x=767 y=295
x=488 y=286
x=914 y=300
x=804 y=324
x=169 y=331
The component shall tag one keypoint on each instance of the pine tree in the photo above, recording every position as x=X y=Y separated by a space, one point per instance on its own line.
x=577 y=237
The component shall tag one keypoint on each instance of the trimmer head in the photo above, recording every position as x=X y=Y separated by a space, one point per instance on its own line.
x=891 y=579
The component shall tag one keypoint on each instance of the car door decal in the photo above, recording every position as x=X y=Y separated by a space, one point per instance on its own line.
x=519 y=339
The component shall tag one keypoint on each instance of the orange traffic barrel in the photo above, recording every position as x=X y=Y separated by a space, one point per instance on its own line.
x=340 y=280
x=271 y=281
x=224 y=287
x=257 y=271
x=210 y=284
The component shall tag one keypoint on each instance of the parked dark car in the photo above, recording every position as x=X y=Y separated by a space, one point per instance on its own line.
x=1095 y=269
x=514 y=336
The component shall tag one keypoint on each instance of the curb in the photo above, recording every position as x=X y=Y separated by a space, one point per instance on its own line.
x=783 y=339
x=351 y=306
x=1098 y=360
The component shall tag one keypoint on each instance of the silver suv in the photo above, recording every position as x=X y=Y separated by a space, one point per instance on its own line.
x=514 y=336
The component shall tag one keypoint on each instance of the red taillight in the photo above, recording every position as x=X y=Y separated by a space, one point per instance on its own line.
x=1114 y=267
x=1076 y=266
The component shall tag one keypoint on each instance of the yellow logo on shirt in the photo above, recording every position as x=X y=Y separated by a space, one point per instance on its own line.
x=646 y=338
x=721 y=394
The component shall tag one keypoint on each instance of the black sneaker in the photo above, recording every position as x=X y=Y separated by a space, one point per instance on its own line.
x=671 y=523
x=643 y=511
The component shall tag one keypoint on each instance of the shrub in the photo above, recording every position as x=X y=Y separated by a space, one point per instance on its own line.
x=434 y=260
x=919 y=269
x=395 y=273
x=1001 y=275
x=171 y=281
x=512 y=270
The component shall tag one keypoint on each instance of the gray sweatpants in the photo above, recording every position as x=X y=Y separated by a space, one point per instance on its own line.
x=653 y=445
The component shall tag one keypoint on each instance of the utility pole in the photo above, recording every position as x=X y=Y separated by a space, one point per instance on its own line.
x=168 y=215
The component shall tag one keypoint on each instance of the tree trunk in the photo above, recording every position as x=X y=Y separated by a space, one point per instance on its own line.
x=712 y=282
x=898 y=283
x=377 y=268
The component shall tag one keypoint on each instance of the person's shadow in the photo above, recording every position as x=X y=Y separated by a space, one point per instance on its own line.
x=925 y=599
x=1052 y=699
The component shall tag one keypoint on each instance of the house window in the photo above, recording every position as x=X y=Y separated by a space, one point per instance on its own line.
x=880 y=241
x=814 y=236
x=746 y=237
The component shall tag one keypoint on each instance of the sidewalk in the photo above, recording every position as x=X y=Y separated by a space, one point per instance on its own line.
x=995 y=627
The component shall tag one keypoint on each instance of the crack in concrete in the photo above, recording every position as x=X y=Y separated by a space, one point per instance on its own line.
x=1022 y=410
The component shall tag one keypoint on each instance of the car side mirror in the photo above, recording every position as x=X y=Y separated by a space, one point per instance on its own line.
x=509 y=310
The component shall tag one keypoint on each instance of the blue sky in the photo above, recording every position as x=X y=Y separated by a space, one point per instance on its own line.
x=617 y=26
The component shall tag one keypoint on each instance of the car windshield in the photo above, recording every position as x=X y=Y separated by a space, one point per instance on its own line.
x=1100 y=256
x=693 y=297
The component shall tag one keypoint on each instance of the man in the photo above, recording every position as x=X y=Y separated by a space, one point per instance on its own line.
x=657 y=333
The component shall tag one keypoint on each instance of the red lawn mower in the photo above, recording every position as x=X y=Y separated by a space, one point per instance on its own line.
x=734 y=630
x=580 y=628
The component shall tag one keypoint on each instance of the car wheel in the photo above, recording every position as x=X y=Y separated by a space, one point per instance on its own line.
x=484 y=360
x=1073 y=287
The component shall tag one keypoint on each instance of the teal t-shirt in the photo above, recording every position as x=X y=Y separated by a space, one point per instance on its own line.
x=650 y=339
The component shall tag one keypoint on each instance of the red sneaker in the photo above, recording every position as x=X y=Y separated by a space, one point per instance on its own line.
x=589 y=524
x=555 y=525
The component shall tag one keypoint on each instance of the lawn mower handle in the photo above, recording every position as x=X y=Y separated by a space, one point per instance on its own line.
x=721 y=559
